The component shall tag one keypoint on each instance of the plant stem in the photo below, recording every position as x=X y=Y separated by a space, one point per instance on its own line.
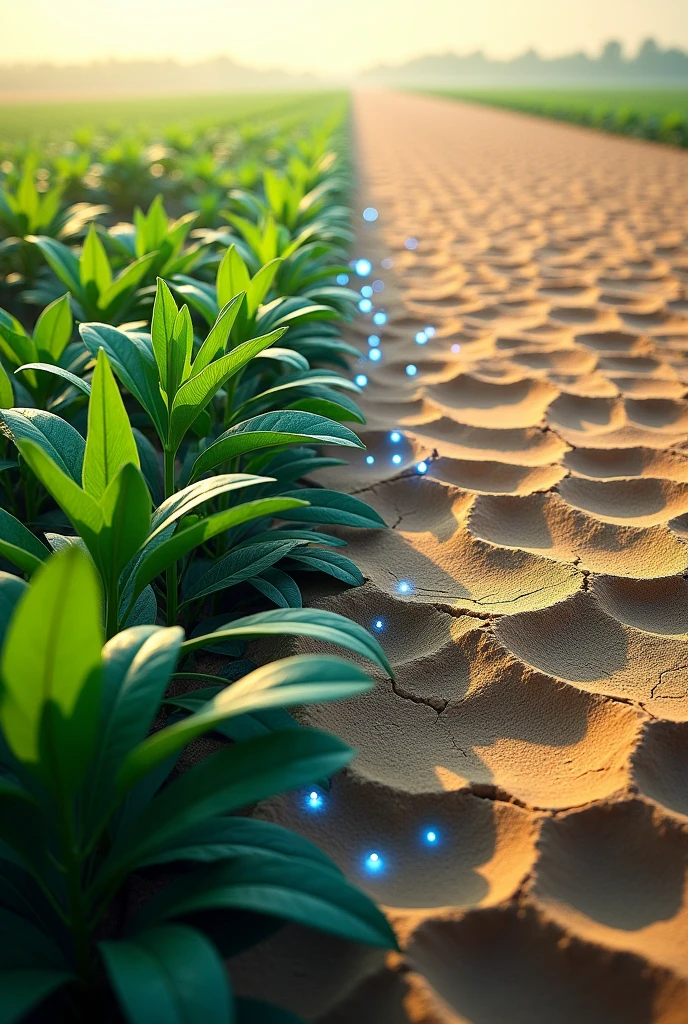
x=172 y=583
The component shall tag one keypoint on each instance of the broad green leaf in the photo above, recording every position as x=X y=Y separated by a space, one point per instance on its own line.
x=79 y=507
x=94 y=265
x=334 y=507
x=183 y=502
x=126 y=509
x=169 y=975
x=21 y=991
x=19 y=544
x=61 y=261
x=310 y=622
x=331 y=562
x=54 y=329
x=232 y=277
x=217 y=338
x=11 y=589
x=271 y=429
x=58 y=439
x=126 y=281
x=260 y=285
x=278 y=587
x=299 y=680
x=50 y=664
x=237 y=566
x=232 y=778
x=196 y=392
x=110 y=442
x=302 y=892
x=164 y=317
x=6 y=392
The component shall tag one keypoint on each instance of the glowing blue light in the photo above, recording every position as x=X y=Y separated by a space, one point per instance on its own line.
x=395 y=436
x=314 y=800
x=396 y=459
x=361 y=380
x=370 y=459
x=366 y=291
x=363 y=267
x=422 y=468
x=373 y=340
x=365 y=305
x=421 y=338
x=431 y=836
x=387 y=263
x=378 y=286
x=404 y=587
x=375 y=354
x=411 y=243
x=411 y=370
x=378 y=624
x=430 y=331
x=374 y=862
x=456 y=348
x=342 y=279
x=380 y=318
x=370 y=214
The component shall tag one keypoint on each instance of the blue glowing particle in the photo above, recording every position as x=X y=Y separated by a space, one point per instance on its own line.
x=404 y=587
x=422 y=468
x=373 y=340
x=421 y=338
x=411 y=370
x=431 y=836
x=366 y=291
x=380 y=318
x=387 y=263
x=361 y=380
x=342 y=279
x=378 y=286
x=395 y=436
x=456 y=348
x=363 y=267
x=396 y=459
x=378 y=624
x=411 y=243
x=374 y=862
x=314 y=800
x=430 y=331
x=375 y=354
x=365 y=305
x=370 y=214
x=370 y=459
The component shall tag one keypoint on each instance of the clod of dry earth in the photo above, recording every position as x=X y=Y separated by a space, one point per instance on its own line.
x=539 y=717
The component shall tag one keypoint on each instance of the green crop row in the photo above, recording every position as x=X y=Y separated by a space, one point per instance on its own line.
x=165 y=382
x=661 y=116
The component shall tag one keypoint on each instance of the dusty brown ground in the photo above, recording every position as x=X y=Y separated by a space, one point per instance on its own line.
x=539 y=719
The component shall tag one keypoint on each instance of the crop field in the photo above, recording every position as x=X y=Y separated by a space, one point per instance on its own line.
x=172 y=293
x=659 y=115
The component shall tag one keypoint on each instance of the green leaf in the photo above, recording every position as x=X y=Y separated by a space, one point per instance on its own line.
x=19 y=545
x=58 y=439
x=232 y=277
x=50 y=664
x=309 y=622
x=6 y=392
x=110 y=443
x=61 y=261
x=54 y=329
x=181 y=503
x=299 y=680
x=278 y=587
x=11 y=589
x=21 y=991
x=126 y=509
x=169 y=975
x=164 y=317
x=330 y=562
x=186 y=539
x=232 y=778
x=94 y=265
x=126 y=281
x=334 y=507
x=236 y=566
x=58 y=371
x=196 y=392
x=260 y=285
x=272 y=429
x=217 y=338
x=303 y=892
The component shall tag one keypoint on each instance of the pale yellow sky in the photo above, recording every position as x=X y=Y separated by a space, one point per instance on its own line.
x=325 y=36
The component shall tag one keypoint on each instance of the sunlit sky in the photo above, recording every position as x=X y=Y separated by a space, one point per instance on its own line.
x=325 y=36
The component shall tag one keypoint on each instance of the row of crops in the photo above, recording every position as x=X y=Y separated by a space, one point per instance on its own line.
x=658 y=115
x=171 y=357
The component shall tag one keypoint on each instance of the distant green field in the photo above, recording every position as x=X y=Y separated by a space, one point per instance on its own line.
x=56 y=121
x=660 y=115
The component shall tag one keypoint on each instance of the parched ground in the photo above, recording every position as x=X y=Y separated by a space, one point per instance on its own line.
x=531 y=590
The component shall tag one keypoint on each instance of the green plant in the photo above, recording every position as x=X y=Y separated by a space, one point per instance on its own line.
x=155 y=232
x=88 y=802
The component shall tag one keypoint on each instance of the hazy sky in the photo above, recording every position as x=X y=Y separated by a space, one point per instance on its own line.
x=326 y=36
